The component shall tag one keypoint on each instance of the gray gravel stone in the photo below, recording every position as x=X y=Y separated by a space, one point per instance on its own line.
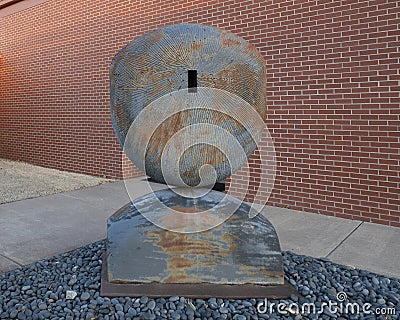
x=151 y=305
x=223 y=310
x=375 y=281
x=143 y=300
x=48 y=281
x=42 y=306
x=85 y=296
x=13 y=314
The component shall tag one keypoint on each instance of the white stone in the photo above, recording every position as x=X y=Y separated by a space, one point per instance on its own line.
x=70 y=295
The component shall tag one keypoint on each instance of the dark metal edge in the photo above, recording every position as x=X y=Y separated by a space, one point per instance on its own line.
x=6 y=3
x=196 y=290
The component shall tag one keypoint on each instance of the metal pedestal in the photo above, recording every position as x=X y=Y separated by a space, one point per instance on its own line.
x=237 y=259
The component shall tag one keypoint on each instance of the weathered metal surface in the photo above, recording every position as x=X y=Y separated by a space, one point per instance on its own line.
x=158 y=64
x=193 y=290
x=179 y=133
x=238 y=251
x=188 y=106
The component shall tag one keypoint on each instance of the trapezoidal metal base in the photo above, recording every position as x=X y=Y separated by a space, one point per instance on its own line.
x=238 y=258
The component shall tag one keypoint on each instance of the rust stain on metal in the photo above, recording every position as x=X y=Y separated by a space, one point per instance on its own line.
x=196 y=46
x=154 y=36
x=228 y=41
x=201 y=152
x=179 y=55
x=237 y=251
x=180 y=217
x=160 y=87
x=255 y=270
x=179 y=264
x=180 y=243
x=179 y=246
x=147 y=76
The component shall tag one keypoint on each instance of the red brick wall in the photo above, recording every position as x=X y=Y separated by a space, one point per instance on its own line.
x=333 y=91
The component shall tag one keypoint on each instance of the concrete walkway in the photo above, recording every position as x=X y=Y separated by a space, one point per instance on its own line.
x=38 y=228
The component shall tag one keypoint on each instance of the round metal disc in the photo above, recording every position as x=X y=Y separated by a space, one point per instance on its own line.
x=187 y=57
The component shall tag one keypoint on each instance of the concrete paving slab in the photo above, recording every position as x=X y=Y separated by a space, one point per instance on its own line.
x=116 y=193
x=307 y=233
x=38 y=228
x=7 y=265
x=108 y=197
x=372 y=247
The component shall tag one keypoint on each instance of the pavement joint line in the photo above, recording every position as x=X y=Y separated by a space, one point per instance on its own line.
x=341 y=242
x=84 y=201
x=12 y=260
x=69 y=196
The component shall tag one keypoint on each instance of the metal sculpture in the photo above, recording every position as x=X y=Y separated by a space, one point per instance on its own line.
x=187 y=104
x=153 y=69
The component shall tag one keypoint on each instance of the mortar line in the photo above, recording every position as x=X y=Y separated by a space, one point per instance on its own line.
x=341 y=242
x=12 y=260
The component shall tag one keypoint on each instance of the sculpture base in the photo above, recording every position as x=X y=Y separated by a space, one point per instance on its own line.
x=238 y=258
x=192 y=290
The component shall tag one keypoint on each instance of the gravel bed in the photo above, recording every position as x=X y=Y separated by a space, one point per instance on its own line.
x=20 y=180
x=67 y=286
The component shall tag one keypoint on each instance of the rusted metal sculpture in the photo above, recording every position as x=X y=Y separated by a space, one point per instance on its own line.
x=152 y=70
x=188 y=103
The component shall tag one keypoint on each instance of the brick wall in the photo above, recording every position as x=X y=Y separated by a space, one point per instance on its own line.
x=333 y=92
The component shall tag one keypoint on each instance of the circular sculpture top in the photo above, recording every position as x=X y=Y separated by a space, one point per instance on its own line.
x=180 y=96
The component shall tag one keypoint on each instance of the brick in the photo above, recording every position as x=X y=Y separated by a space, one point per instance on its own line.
x=332 y=93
